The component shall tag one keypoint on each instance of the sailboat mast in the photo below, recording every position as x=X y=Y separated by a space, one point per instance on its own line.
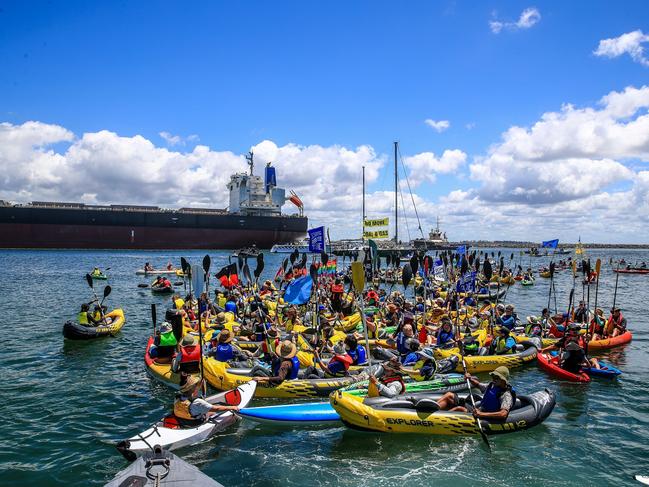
x=363 y=232
x=396 y=194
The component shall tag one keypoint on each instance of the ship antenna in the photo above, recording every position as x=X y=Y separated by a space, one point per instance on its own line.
x=251 y=162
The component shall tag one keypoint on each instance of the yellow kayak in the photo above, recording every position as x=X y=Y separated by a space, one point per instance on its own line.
x=75 y=331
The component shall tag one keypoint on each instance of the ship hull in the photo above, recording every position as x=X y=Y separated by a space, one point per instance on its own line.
x=84 y=229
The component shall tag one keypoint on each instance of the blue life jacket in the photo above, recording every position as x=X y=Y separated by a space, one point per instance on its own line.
x=260 y=336
x=224 y=352
x=411 y=358
x=294 y=369
x=358 y=355
x=336 y=368
x=401 y=344
x=202 y=307
x=420 y=307
x=469 y=302
x=444 y=337
x=231 y=306
x=491 y=398
x=507 y=322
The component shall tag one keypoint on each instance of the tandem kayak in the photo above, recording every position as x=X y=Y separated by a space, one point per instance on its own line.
x=172 y=433
x=606 y=343
x=606 y=371
x=75 y=331
x=321 y=413
x=161 y=468
x=488 y=363
x=550 y=364
x=162 y=289
x=527 y=283
x=160 y=371
x=418 y=413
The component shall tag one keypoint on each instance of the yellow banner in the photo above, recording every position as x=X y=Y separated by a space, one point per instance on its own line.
x=383 y=222
x=376 y=234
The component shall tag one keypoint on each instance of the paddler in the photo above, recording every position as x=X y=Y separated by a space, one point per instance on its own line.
x=497 y=400
x=573 y=358
x=188 y=357
x=285 y=365
x=189 y=406
x=581 y=313
x=337 y=366
x=148 y=267
x=96 y=272
x=356 y=351
x=503 y=344
x=84 y=317
x=425 y=366
x=225 y=352
x=445 y=335
x=391 y=382
x=508 y=318
x=597 y=325
x=616 y=324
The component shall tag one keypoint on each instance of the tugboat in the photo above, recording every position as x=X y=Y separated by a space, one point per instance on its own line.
x=436 y=240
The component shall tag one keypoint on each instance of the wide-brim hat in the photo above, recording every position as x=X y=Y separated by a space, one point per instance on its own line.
x=188 y=340
x=272 y=332
x=501 y=372
x=225 y=336
x=572 y=346
x=191 y=384
x=393 y=366
x=286 y=349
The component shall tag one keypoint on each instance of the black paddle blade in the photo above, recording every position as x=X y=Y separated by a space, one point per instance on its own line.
x=293 y=257
x=477 y=264
x=246 y=273
x=303 y=261
x=512 y=257
x=285 y=264
x=414 y=263
x=89 y=279
x=388 y=260
x=551 y=269
x=260 y=268
x=488 y=270
x=183 y=265
x=471 y=259
x=572 y=295
x=406 y=275
x=324 y=258
x=501 y=266
x=240 y=261
x=313 y=272
x=154 y=314
x=445 y=260
x=464 y=266
x=207 y=262
x=107 y=291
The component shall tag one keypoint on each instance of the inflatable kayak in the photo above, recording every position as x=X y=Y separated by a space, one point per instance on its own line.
x=418 y=413
x=75 y=331
x=142 y=272
x=606 y=371
x=99 y=277
x=487 y=363
x=491 y=296
x=527 y=283
x=550 y=364
x=606 y=343
x=162 y=289
x=172 y=433
x=321 y=413
x=222 y=377
x=631 y=271
x=161 y=468
x=160 y=371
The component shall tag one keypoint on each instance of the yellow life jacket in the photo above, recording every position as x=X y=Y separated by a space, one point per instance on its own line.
x=82 y=318
x=179 y=303
x=222 y=301
x=96 y=315
x=181 y=409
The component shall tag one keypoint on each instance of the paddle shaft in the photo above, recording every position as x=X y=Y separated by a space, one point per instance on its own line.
x=617 y=277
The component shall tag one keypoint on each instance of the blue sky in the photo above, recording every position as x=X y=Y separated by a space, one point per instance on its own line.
x=312 y=73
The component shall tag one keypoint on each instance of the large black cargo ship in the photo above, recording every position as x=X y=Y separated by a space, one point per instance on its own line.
x=253 y=217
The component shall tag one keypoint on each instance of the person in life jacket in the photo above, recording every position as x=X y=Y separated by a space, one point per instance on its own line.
x=508 y=318
x=355 y=351
x=170 y=266
x=372 y=298
x=265 y=350
x=573 y=358
x=503 y=343
x=337 y=290
x=96 y=272
x=616 y=324
x=413 y=347
x=290 y=319
x=83 y=317
x=581 y=313
x=285 y=365
x=390 y=384
x=498 y=397
x=572 y=334
x=188 y=357
x=597 y=325
x=225 y=352
x=470 y=345
x=99 y=317
x=425 y=367
x=338 y=365
x=148 y=267
x=190 y=407
x=534 y=327
x=445 y=335
x=165 y=343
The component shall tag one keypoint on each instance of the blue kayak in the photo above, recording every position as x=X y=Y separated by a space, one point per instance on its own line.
x=606 y=371
x=305 y=413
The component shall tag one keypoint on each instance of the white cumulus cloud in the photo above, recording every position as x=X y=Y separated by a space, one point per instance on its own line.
x=173 y=140
x=426 y=165
x=629 y=43
x=438 y=125
x=529 y=17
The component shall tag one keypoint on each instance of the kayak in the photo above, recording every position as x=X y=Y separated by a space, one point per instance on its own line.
x=75 y=331
x=162 y=289
x=606 y=343
x=160 y=371
x=643 y=479
x=491 y=296
x=99 y=277
x=161 y=468
x=321 y=413
x=605 y=371
x=631 y=271
x=418 y=413
x=487 y=363
x=551 y=365
x=545 y=274
x=142 y=272
x=525 y=282
x=172 y=433
x=222 y=377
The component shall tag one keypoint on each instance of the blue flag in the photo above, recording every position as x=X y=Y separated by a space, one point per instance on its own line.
x=466 y=284
x=550 y=244
x=299 y=291
x=316 y=240
x=461 y=250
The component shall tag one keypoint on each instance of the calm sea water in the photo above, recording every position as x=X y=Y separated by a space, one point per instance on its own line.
x=66 y=403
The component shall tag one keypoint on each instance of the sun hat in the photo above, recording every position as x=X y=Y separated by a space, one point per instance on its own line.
x=286 y=349
x=191 y=384
x=501 y=372
x=188 y=340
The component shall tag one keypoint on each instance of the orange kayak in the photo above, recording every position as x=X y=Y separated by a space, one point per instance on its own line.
x=606 y=343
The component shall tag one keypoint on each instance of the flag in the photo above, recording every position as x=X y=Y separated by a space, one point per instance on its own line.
x=374 y=252
x=299 y=291
x=466 y=284
x=316 y=240
x=461 y=250
x=550 y=244
x=228 y=276
x=438 y=270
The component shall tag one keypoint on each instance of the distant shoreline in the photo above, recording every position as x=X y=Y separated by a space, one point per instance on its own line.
x=527 y=245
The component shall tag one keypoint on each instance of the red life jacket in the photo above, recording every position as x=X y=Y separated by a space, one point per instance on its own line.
x=346 y=360
x=397 y=378
x=337 y=288
x=190 y=358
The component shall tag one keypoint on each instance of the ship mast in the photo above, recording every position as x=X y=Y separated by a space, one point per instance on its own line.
x=250 y=159
x=363 y=226
x=396 y=195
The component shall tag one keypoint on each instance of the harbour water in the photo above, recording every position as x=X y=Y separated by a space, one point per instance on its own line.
x=67 y=403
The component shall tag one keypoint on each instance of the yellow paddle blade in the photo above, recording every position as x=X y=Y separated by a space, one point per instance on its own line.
x=574 y=268
x=372 y=390
x=598 y=266
x=358 y=276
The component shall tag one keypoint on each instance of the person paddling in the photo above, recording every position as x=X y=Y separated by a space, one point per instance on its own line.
x=391 y=382
x=190 y=407
x=285 y=365
x=616 y=324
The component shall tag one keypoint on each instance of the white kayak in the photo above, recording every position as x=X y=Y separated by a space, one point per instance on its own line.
x=142 y=272
x=643 y=479
x=160 y=468
x=171 y=435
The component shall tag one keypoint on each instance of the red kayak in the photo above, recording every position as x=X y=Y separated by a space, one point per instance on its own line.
x=631 y=271
x=551 y=365
x=622 y=339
